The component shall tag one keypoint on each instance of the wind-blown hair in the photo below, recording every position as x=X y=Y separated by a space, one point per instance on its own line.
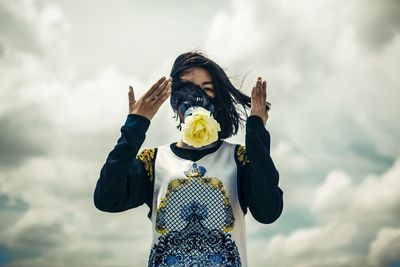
x=231 y=101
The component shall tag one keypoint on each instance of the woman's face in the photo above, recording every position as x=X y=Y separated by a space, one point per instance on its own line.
x=201 y=77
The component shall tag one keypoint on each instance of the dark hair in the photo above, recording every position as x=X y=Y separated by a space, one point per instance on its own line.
x=227 y=97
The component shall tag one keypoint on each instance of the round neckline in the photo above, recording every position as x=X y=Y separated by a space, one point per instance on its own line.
x=193 y=154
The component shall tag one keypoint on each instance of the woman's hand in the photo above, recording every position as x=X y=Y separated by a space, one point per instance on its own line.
x=149 y=103
x=259 y=100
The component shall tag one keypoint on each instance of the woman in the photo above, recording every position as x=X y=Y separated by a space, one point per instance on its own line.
x=199 y=188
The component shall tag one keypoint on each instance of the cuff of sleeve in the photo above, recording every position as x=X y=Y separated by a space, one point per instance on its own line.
x=137 y=121
x=254 y=122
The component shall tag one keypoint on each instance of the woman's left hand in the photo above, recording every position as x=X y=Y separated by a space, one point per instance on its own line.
x=259 y=100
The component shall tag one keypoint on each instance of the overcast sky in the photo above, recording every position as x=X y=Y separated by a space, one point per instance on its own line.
x=332 y=71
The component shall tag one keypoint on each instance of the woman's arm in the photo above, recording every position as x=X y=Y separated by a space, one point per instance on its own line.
x=125 y=179
x=124 y=182
x=259 y=179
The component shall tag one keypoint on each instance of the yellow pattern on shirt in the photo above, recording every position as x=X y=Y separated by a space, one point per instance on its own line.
x=241 y=155
x=147 y=156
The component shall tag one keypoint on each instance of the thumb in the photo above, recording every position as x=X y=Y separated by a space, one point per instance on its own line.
x=131 y=95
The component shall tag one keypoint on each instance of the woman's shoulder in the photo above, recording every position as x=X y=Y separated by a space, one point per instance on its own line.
x=235 y=145
x=147 y=156
x=239 y=152
x=148 y=153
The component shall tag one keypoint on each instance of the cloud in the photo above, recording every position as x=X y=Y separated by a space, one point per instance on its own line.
x=56 y=132
x=26 y=27
x=57 y=215
x=57 y=181
x=384 y=250
x=238 y=27
x=285 y=151
x=318 y=69
x=349 y=219
x=23 y=134
x=339 y=197
x=325 y=245
x=377 y=23
x=329 y=65
x=17 y=31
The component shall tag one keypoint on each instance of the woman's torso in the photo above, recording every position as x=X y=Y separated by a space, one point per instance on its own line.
x=197 y=217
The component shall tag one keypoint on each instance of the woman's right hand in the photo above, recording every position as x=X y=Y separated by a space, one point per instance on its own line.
x=149 y=103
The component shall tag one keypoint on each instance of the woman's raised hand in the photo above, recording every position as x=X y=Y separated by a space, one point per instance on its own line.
x=259 y=100
x=149 y=103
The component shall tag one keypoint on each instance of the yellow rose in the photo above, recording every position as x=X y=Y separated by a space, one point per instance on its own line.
x=200 y=128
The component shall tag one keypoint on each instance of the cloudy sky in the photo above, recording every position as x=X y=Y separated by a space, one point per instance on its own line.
x=332 y=71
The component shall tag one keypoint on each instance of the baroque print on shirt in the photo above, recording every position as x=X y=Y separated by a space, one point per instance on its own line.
x=194 y=219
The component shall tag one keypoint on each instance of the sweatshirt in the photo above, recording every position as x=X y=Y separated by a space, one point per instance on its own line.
x=128 y=179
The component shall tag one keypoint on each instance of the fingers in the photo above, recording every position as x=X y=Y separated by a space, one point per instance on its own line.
x=264 y=87
x=253 y=95
x=161 y=88
x=259 y=99
x=166 y=93
x=264 y=92
x=131 y=95
x=257 y=92
x=261 y=91
x=154 y=87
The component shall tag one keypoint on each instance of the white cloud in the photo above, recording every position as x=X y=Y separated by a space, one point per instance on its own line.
x=326 y=196
x=320 y=59
x=317 y=70
x=384 y=250
x=315 y=239
x=238 y=29
x=328 y=67
x=77 y=123
x=285 y=151
x=305 y=246
x=339 y=197
x=349 y=217
x=62 y=221
x=28 y=27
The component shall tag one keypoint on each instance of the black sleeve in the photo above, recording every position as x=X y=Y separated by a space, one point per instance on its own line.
x=257 y=176
x=125 y=178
